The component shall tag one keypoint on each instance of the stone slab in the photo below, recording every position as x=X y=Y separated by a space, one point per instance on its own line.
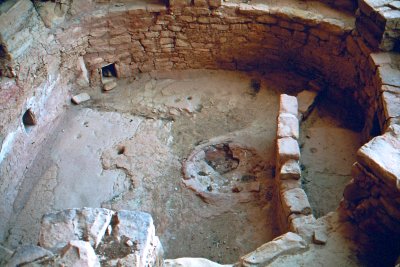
x=78 y=99
x=381 y=155
x=265 y=254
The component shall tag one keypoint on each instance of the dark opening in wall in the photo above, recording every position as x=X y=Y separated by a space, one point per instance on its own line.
x=29 y=119
x=376 y=129
x=109 y=71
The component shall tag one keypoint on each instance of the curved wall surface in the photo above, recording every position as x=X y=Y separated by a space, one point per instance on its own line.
x=39 y=70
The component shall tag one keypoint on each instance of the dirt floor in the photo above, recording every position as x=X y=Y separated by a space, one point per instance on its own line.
x=328 y=150
x=124 y=149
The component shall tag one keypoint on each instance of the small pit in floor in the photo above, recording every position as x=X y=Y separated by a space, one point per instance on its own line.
x=228 y=171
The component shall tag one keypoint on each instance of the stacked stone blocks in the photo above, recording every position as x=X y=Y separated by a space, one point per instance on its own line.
x=294 y=201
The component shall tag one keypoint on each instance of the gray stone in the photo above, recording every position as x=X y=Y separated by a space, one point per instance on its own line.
x=89 y=224
x=179 y=3
x=138 y=227
x=303 y=225
x=27 y=254
x=285 y=185
x=191 y=262
x=5 y=255
x=288 y=126
x=290 y=170
x=288 y=148
x=78 y=253
x=283 y=245
x=295 y=201
x=391 y=104
x=82 y=97
x=381 y=155
x=288 y=104
x=389 y=75
x=109 y=85
x=320 y=236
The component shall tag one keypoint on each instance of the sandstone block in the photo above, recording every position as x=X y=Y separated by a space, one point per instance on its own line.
x=267 y=19
x=303 y=225
x=179 y=3
x=389 y=75
x=283 y=245
x=287 y=148
x=295 y=201
x=288 y=104
x=214 y=3
x=156 y=8
x=201 y=3
x=288 y=126
x=77 y=99
x=57 y=229
x=391 y=104
x=381 y=155
x=290 y=170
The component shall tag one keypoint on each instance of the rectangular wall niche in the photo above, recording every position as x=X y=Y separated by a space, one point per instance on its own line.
x=109 y=71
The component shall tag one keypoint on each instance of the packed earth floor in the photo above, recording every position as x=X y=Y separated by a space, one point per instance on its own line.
x=125 y=149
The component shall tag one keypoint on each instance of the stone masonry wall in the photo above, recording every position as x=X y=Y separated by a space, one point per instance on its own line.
x=293 y=199
x=41 y=43
x=372 y=198
x=233 y=36
x=36 y=69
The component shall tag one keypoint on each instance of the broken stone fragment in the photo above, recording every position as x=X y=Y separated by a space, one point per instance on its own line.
x=290 y=170
x=78 y=253
x=191 y=262
x=288 y=104
x=77 y=99
x=288 y=148
x=285 y=244
x=27 y=254
x=139 y=228
x=306 y=101
x=288 y=126
x=320 y=236
x=304 y=225
x=109 y=85
x=295 y=201
x=89 y=224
